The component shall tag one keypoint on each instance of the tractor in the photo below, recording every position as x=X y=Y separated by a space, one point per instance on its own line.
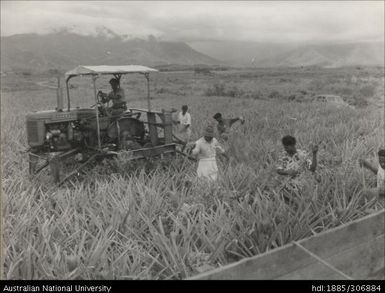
x=94 y=133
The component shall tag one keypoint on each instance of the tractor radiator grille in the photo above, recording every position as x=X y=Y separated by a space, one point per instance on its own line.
x=32 y=132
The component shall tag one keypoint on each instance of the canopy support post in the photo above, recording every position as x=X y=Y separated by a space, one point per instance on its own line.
x=94 y=77
x=147 y=75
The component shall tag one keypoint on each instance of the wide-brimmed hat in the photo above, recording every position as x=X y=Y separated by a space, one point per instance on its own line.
x=209 y=131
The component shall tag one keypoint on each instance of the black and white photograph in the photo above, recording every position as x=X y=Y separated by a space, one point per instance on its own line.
x=192 y=140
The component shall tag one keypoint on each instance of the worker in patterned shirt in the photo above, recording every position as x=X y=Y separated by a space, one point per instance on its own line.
x=379 y=170
x=294 y=162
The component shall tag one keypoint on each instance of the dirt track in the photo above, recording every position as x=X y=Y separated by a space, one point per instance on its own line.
x=45 y=84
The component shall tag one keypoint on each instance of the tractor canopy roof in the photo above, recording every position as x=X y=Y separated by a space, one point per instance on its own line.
x=108 y=69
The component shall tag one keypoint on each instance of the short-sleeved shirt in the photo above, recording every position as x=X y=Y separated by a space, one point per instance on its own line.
x=184 y=119
x=206 y=150
x=117 y=97
x=300 y=161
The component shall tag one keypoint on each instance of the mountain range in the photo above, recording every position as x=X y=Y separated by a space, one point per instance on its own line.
x=64 y=50
x=294 y=55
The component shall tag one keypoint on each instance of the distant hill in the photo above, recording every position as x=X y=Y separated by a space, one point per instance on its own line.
x=64 y=50
x=291 y=55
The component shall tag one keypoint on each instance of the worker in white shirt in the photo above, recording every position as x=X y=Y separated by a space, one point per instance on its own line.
x=206 y=148
x=184 y=121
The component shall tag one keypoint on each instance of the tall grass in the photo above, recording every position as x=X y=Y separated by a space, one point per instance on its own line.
x=149 y=220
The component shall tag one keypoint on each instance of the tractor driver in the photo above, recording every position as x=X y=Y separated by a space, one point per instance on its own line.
x=119 y=104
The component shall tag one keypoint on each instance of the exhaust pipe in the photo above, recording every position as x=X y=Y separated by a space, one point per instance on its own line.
x=59 y=96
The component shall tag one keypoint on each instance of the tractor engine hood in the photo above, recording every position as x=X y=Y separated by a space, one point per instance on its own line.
x=52 y=116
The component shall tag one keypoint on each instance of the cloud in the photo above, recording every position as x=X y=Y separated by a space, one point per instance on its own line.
x=270 y=21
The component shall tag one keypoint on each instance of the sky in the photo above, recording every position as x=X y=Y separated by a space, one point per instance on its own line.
x=189 y=21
